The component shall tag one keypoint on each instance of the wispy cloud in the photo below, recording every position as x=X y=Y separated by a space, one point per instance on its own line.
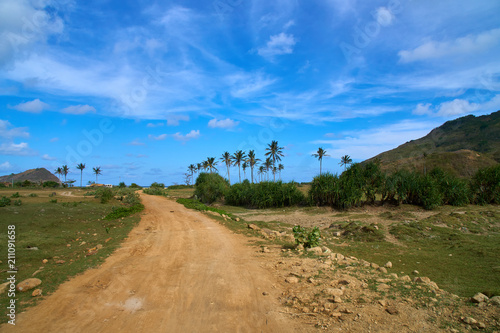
x=35 y=106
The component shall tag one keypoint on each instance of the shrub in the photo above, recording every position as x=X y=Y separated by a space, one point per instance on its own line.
x=210 y=187
x=4 y=201
x=308 y=239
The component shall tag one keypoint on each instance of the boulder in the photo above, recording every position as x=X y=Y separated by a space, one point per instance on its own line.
x=28 y=284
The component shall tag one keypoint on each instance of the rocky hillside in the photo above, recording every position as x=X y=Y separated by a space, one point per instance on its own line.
x=461 y=146
x=33 y=175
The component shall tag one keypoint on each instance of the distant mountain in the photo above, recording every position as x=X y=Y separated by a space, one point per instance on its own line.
x=33 y=175
x=460 y=146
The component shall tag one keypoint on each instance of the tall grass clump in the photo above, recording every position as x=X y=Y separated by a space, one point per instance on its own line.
x=210 y=187
x=264 y=195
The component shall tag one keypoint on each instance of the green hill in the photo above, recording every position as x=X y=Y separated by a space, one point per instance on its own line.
x=460 y=146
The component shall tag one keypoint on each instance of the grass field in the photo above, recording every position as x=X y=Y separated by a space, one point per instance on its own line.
x=68 y=230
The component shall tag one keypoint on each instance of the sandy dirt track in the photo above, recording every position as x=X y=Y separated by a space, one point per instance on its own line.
x=178 y=271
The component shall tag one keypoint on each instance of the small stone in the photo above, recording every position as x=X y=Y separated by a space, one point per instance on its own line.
x=28 y=284
x=469 y=320
x=392 y=310
x=333 y=292
x=337 y=299
x=45 y=261
x=495 y=300
x=292 y=279
x=388 y=264
x=478 y=298
x=382 y=269
x=36 y=292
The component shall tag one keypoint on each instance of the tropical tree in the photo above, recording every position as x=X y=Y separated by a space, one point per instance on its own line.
x=97 y=171
x=80 y=167
x=237 y=158
x=252 y=161
x=192 y=169
x=268 y=164
x=65 y=171
x=211 y=163
x=275 y=152
x=319 y=155
x=244 y=166
x=345 y=161
x=226 y=158
x=58 y=171
x=280 y=167
x=262 y=170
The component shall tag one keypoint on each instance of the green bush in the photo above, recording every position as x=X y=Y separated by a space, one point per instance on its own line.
x=308 y=239
x=486 y=186
x=210 y=187
x=4 y=201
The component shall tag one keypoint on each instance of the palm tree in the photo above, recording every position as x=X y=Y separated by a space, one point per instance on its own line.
x=319 y=155
x=192 y=169
x=58 y=171
x=268 y=164
x=65 y=171
x=226 y=158
x=244 y=166
x=280 y=167
x=275 y=152
x=262 y=170
x=211 y=163
x=97 y=171
x=80 y=167
x=238 y=157
x=252 y=161
x=345 y=161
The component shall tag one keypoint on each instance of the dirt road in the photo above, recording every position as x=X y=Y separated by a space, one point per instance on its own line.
x=178 y=271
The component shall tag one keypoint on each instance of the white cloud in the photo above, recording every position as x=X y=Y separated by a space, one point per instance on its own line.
x=456 y=107
x=223 y=123
x=191 y=135
x=35 y=106
x=21 y=149
x=278 y=45
x=5 y=166
x=46 y=157
x=173 y=120
x=79 y=109
x=136 y=142
x=470 y=44
x=157 y=138
x=9 y=132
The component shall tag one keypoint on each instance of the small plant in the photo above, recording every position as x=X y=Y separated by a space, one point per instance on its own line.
x=4 y=201
x=15 y=195
x=308 y=239
x=18 y=202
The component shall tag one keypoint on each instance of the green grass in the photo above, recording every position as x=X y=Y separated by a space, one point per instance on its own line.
x=51 y=227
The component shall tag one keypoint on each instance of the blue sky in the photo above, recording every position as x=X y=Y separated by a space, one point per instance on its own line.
x=143 y=88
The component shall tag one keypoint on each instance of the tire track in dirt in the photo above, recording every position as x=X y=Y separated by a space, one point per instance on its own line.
x=178 y=271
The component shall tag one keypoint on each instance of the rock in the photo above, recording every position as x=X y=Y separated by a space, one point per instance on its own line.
x=28 y=284
x=478 y=298
x=36 y=292
x=45 y=261
x=3 y=287
x=382 y=269
x=374 y=265
x=495 y=300
x=388 y=264
x=337 y=299
x=292 y=279
x=315 y=250
x=469 y=320
x=392 y=310
x=333 y=291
